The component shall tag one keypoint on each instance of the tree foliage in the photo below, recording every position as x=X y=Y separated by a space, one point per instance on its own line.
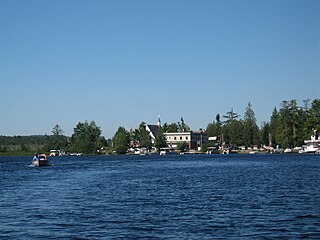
x=121 y=140
x=251 y=130
x=182 y=126
x=144 y=136
x=160 y=141
x=288 y=127
x=57 y=140
x=173 y=127
x=86 y=138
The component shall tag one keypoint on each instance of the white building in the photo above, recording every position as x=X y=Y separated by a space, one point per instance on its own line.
x=194 y=140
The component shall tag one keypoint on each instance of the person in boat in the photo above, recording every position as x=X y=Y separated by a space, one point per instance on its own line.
x=35 y=157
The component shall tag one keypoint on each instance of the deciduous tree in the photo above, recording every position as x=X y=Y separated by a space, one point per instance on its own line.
x=121 y=140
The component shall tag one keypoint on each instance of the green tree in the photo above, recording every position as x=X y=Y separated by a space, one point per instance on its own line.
x=144 y=136
x=182 y=146
x=289 y=124
x=86 y=137
x=265 y=134
x=274 y=127
x=233 y=133
x=121 y=140
x=232 y=129
x=57 y=130
x=251 y=130
x=160 y=141
x=182 y=126
x=135 y=136
x=231 y=116
x=214 y=128
x=173 y=127
x=312 y=118
x=57 y=140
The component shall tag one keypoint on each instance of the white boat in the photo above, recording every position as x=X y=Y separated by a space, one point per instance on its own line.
x=165 y=151
x=41 y=161
x=54 y=153
x=312 y=145
x=287 y=150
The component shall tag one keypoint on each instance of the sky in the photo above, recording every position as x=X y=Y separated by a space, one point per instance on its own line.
x=123 y=62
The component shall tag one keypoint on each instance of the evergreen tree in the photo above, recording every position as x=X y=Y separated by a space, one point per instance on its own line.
x=232 y=129
x=265 y=134
x=274 y=123
x=251 y=130
x=313 y=121
x=233 y=133
x=230 y=116
x=182 y=126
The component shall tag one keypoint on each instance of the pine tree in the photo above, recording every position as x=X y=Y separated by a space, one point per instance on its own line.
x=251 y=130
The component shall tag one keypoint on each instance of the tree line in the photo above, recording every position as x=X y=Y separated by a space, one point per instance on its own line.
x=288 y=127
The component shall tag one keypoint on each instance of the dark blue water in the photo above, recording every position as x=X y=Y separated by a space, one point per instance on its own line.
x=161 y=197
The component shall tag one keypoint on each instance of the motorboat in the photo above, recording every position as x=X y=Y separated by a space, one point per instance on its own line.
x=41 y=161
x=165 y=151
x=288 y=150
x=312 y=145
x=54 y=153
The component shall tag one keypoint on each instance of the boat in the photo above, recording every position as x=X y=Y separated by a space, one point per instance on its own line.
x=288 y=150
x=41 y=161
x=165 y=151
x=312 y=145
x=54 y=153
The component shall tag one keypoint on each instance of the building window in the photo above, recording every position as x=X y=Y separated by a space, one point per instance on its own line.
x=175 y=138
x=186 y=138
x=180 y=138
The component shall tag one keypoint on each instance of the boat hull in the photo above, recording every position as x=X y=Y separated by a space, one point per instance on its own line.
x=40 y=163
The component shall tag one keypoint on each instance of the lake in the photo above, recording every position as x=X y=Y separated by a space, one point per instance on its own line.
x=161 y=197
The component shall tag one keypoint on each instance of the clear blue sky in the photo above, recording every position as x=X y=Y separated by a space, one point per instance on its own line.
x=122 y=62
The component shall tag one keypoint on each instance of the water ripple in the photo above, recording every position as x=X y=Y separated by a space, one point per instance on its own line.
x=170 y=197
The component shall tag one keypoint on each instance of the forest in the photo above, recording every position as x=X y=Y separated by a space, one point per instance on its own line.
x=288 y=127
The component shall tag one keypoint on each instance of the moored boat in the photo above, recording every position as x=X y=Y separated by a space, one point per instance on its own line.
x=288 y=150
x=312 y=145
x=40 y=161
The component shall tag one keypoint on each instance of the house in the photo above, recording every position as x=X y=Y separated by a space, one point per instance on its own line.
x=194 y=139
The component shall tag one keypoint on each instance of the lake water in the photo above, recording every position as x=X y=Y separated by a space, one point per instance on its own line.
x=161 y=197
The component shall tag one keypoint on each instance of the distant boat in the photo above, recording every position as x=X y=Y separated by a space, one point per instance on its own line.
x=287 y=150
x=42 y=161
x=54 y=153
x=312 y=145
x=165 y=151
x=75 y=154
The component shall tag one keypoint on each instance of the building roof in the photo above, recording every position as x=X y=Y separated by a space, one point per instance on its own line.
x=153 y=129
